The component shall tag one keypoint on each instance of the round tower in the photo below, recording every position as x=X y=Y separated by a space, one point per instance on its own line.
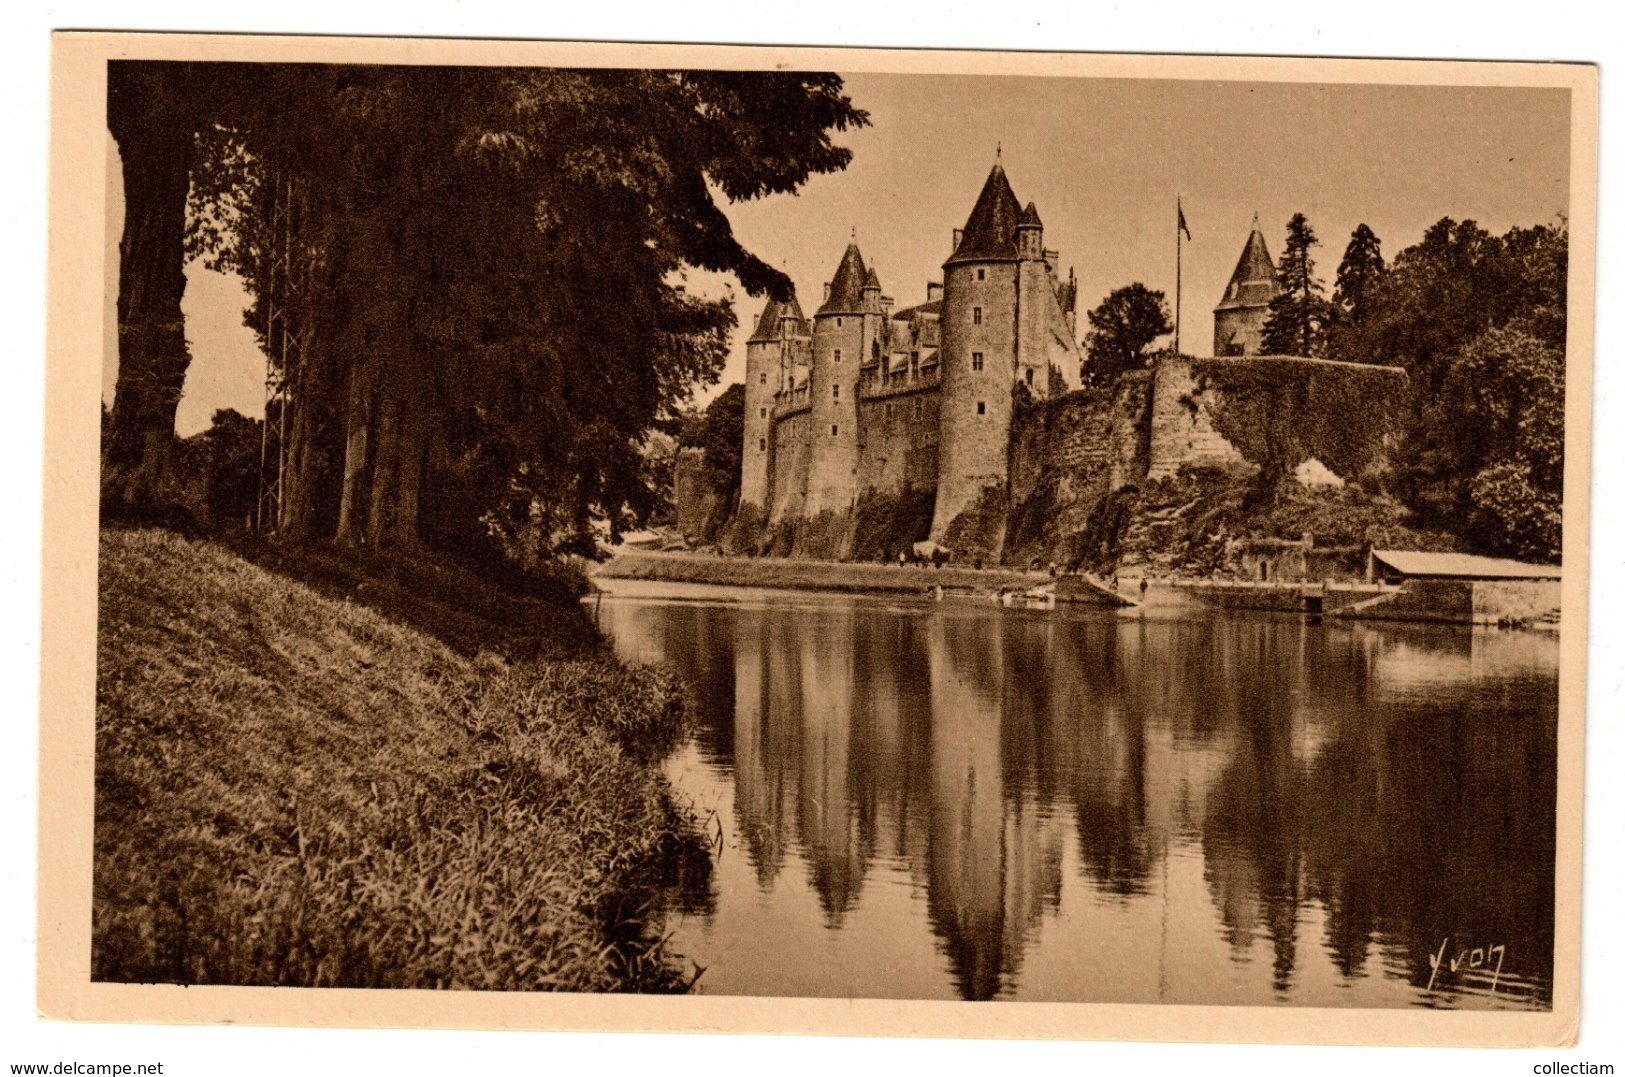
x=978 y=353
x=765 y=354
x=840 y=341
x=1238 y=320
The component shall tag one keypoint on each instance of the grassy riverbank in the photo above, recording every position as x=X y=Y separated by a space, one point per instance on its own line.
x=293 y=788
x=804 y=575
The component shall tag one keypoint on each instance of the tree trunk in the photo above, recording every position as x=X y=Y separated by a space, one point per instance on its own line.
x=150 y=115
x=299 y=480
x=409 y=477
x=357 y=418
x=386 y=461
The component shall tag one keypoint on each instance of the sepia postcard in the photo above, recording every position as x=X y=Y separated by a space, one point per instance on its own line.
x=843 y=541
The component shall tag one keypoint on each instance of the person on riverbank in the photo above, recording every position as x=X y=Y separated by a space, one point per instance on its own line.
x=1145 y=585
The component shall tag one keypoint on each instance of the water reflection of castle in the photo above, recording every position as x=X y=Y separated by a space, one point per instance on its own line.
x=972 y=750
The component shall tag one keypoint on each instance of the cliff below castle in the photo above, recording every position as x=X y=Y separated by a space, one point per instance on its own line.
x=1182 y=468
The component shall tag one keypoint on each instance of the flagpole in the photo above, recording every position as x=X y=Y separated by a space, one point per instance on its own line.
x=1179 y=211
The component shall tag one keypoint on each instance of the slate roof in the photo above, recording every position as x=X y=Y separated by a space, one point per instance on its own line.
x=1029 y=216
x=990 y=232
x=767 y=326
x=1464 y=566
x=1253 y=284
x=846 y=289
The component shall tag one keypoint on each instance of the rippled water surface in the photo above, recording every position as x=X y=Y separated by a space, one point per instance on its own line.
x=955 y=800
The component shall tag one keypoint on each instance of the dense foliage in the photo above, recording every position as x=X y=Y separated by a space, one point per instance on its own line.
x=1121 y=330
x=1300 y=315
x=474 y=277
x=1479 y=322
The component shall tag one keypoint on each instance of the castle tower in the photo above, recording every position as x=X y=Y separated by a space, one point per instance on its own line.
x=844 y=331
x=768 y=354
x=1002 y=323
x=1036 y=304
x=1238 y=320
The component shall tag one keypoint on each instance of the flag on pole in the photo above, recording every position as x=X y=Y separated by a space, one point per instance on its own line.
x=1183 y=227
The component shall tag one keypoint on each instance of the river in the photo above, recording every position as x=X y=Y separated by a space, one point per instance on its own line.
x=915 y=799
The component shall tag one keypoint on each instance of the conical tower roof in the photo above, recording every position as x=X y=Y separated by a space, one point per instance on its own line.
x=1029 y=217
x=990 y=233
x=846 y=289
x=871 y=279
x=767 y=326
x=1253 y=284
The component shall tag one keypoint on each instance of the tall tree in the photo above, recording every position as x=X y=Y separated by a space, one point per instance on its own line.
x=1121 y=329
x=1299 y=314
x=153 y=114
x=1478 y=321
x=1359 y=281
x=497 y=255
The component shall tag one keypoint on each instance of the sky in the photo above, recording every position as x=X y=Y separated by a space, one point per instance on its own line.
x=1104 y=159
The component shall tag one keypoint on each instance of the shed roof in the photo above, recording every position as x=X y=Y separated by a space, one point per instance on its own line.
x=1464 y=566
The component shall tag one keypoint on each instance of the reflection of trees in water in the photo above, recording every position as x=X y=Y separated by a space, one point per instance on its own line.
x=1103 y=715
x=1457 y=837
x=1251 y=831
x=958 y=742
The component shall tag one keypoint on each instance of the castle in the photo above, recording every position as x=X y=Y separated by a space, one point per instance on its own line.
x=863 y=422
x=862 y=397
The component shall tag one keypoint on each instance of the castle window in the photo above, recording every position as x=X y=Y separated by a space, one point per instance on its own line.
x=761 y=444
x=834 y=430
x=981 y=407
x=976 y=315
x=837 y=389
x=837 y=325
x=1029 y=375
x=837 y=355
x=764 y=413
x=976 y=360
x=981 y=274
x=764 y=377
